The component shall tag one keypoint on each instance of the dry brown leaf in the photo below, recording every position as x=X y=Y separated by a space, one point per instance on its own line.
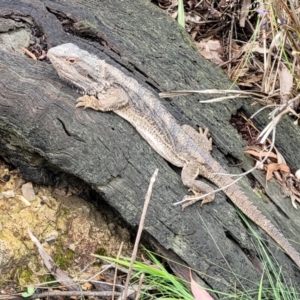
x=204 y=50
x=211 y=50
x=280 y=158
x=260 y=154
x=192 y=18
x=238 y=73
x=214 y=45
x=271 y=168
x=215 y=49
x=87 y=286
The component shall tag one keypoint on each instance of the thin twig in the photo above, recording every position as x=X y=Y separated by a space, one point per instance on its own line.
x=210 y=91
x=58 y=273
x=267 y=130
x=139 y=287
x=221 y=99
x=262 y=108
x=29 y=53
x=116 y=270
x=61 y=293
x=230 y=46
x=102 y=271
x=139 y=233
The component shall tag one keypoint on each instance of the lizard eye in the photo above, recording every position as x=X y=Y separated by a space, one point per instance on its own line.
x=71 y=60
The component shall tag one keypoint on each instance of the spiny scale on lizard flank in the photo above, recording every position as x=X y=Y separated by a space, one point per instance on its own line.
x=106 y=88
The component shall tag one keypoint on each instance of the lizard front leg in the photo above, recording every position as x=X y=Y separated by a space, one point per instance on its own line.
x=189 y=174
x=113 y=99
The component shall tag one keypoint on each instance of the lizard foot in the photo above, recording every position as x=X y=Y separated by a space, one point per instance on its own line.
x=205 y=139
x=191 y=199
x=201 y=138
x=110 y=99
x=199 y=188
x=88 y=102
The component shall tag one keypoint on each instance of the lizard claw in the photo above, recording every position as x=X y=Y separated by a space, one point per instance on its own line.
x=191 y=199
x=206 y=135
x=87 y=101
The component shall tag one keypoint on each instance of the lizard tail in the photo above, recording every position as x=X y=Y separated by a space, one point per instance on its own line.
x=253 y=213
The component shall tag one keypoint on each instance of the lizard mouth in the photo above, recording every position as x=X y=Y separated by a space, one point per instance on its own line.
x=80 y=89
x=84 y=84
x=75 y=71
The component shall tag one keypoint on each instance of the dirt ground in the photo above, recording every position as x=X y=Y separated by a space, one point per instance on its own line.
x=69 y=228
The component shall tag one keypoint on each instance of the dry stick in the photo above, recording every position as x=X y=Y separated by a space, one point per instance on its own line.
x=178 y=93
x=263 y=108
x=268 y=129
x=137 y=297
x=58 y=273
x=230 y=47
x=265 y=47
x=61 y=293
x=266 y=77
x=116 y=270
x=139 y=233
x=30 y=54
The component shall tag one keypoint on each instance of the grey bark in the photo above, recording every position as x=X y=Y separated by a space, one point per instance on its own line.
x=43 y=134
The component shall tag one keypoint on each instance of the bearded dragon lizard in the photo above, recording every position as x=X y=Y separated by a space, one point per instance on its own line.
x=106 y=88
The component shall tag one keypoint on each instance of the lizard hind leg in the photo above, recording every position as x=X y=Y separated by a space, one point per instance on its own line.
x=200 y=138
x=189 y=174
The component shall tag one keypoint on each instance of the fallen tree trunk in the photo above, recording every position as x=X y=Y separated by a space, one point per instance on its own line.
x=43 y=134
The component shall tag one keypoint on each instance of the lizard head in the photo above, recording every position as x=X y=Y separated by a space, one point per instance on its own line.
x=77 y=67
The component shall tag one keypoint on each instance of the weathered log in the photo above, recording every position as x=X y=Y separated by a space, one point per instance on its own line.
x=43 y=134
